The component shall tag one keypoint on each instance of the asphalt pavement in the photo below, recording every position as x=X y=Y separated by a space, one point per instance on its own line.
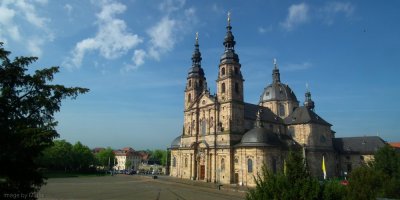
x=137 y=187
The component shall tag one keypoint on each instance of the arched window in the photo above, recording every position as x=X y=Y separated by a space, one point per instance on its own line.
x=190 y=83
x=186 y=162
x=250 y=165
x=189 y=97
x=281 y=110
x=200 y=83
x=237 y=87
x=223 y=71
x=203 y=126
x=236 y=71
x=222 y=164
x=174 y=162
x=223 y=87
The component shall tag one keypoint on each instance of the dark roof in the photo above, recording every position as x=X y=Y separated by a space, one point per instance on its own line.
x=277 y=92
x=362 y=145
x=250 y=112
x=303 y=115
x=176 y=143
x=260 y=136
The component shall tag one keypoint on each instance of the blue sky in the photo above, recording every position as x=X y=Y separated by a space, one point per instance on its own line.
x=134 y=57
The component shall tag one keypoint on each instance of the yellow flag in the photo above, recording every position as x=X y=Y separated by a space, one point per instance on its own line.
x=323 y=167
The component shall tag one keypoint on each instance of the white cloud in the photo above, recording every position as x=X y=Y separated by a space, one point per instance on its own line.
x=263 y=30
x=30 y=14
x=112 y=39
x=331 y=9
x=7 y=27
x=68 y=8
x=162 y=38
x=34 y=46
x=171 y=5
x=138 y=57
x=166 y=33
x=298 y=14
x=35 y=34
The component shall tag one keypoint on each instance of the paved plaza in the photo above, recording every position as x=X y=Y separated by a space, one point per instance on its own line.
x=135 y=187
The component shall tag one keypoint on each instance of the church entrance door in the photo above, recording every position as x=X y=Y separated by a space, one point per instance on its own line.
x=236 y=181
x=202 y=172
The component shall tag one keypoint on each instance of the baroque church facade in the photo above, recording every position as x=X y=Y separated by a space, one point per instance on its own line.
x=226 y=140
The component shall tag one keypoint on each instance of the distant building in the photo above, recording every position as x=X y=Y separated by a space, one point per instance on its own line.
x=395 y=145
x=127 y=159
x=227 y=140
x=353 y=152
x=97 y=150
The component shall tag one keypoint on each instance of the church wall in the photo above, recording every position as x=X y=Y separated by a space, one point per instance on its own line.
x=300 y=133
x=314 y=163
x=271 y=157
x=348 y=162
x=223 y=166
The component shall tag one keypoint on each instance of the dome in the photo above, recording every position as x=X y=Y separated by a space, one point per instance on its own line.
x=176 y=143
x=260 y=136
x=278 y=92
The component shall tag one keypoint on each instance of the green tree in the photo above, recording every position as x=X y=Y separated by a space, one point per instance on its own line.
x=294 y=183
x=27 y=107
x=387 y=163
x=333 y=190
x=105 y=158
x=60 y=155
x=364 y=183
x=159 y=156
x=82 y=157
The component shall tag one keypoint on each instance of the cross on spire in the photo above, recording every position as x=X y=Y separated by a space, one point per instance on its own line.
x=229 y=18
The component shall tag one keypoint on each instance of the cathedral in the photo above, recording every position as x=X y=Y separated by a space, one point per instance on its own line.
x=226 y=140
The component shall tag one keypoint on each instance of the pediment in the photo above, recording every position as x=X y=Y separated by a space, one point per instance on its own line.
x=203 y=100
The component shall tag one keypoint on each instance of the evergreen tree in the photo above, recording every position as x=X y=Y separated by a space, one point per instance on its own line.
x=27 y=124
x=294 y=183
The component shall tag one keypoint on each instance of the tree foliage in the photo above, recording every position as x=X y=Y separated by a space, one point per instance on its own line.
x=294 y=183
x=333 y=190
x=65 y=156
x=27 y=106
x=159 y=156
x=364 y=183
x=380 y=179
x=105 y=158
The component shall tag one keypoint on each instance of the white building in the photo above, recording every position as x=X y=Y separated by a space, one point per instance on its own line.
x=126 y=159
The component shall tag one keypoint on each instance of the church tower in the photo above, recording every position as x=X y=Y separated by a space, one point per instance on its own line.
x=230 y=86
x=195 y=81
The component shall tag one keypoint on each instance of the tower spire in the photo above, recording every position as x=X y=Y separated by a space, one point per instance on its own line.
x=229 y=41
x=276 y=77
x=196 y=57
x=229 y=55
x=308 y=103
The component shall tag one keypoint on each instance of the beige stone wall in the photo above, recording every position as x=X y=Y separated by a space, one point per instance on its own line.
x=259 y=156
x=203 y=111
x=313 y=135
x=314 y=163
x=348 y=162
